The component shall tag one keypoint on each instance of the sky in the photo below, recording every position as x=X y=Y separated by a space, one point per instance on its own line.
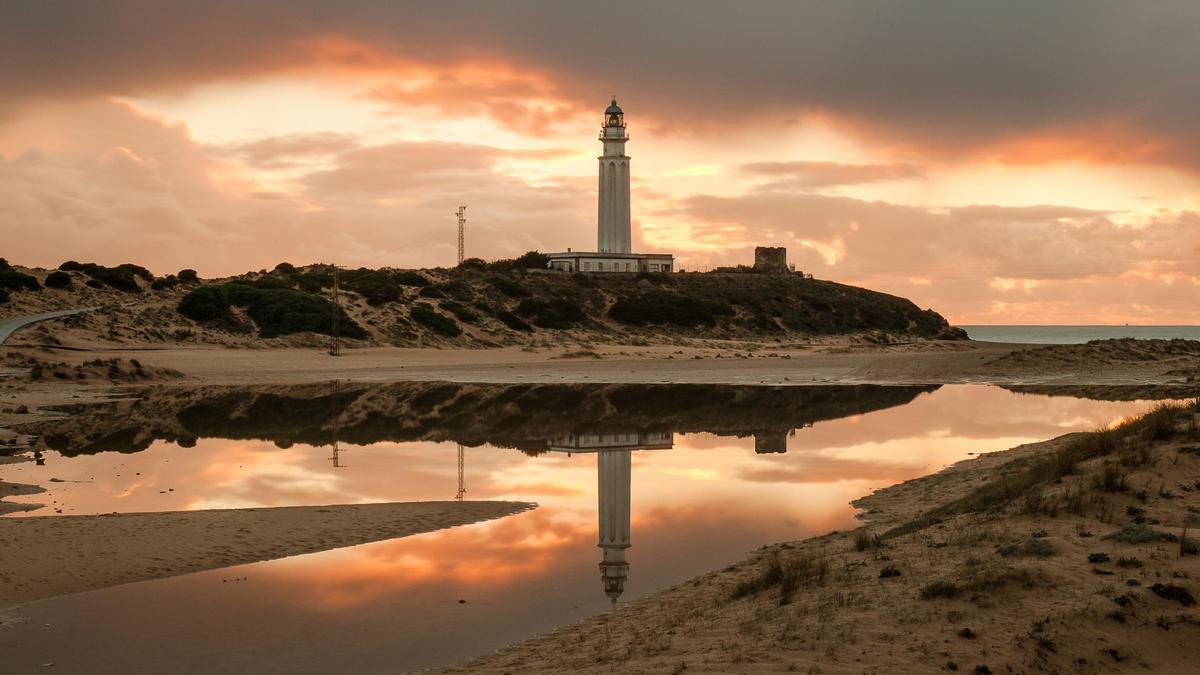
x=1016 y=162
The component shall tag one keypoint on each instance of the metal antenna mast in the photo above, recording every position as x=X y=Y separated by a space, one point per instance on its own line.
x=462 y=220
x=335 y=347
x=461 y=490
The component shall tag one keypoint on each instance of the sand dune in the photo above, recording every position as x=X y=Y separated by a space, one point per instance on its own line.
x=67 y=554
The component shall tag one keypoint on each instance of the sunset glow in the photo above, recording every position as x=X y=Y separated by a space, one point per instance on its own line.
x=1055 y=187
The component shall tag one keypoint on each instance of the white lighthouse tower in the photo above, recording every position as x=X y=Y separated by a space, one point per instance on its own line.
x=614 y=240
x=613 y=203
x=612 y=470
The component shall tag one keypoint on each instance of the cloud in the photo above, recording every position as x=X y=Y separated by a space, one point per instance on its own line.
x=119 y=186
x=1105 y=81
x=806 y=175
x=1071 y=253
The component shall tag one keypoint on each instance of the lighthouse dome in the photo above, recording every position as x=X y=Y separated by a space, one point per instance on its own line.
x=613 y=109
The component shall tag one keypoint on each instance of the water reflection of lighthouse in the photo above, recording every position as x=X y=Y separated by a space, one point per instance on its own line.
x=614 y=454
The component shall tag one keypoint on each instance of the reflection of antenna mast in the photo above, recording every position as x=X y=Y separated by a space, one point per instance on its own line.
x=337 y=415
x=335 y=349
x=461 y=490
x=462 y=220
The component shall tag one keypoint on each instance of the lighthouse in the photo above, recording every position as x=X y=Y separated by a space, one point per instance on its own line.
x=614 y=240
x=612 y=473
x=613 y=196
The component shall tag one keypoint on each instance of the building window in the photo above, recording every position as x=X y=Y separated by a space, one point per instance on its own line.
x=653 y=267
x=599 y=267
x=586 y=266
x=628 y=267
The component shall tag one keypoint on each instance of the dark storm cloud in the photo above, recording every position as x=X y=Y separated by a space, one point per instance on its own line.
x=940 y=76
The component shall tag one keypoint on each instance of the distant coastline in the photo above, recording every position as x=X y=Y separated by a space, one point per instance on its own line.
x=1066 y=335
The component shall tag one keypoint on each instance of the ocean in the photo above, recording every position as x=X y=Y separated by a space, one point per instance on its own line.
x=1067 y=335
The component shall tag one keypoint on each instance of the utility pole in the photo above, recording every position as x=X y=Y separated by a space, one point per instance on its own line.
x=462 y=220
x=335 y=348
x=461 y=490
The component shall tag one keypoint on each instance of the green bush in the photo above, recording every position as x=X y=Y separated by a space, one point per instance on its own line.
x=558 y=314
x=508 y=287
x=666 y=307
x=13 y=280
x=459 y=310
x=57 y=279
x=310 y=284
x=188 y=276
x=532 y=260
x=379 y=286
x=441 y=324
x=431 y=292
x=160 y=284
x=276 y=311
x=513 y=321
x=3 y=296
x=272 y=282
x=123 y=277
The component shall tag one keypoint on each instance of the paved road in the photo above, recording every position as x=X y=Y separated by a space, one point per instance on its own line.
x=10 y=326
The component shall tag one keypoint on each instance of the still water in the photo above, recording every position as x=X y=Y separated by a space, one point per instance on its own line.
x=690 y=477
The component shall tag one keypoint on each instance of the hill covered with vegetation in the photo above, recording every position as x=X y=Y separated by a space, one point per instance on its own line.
x=477 y=304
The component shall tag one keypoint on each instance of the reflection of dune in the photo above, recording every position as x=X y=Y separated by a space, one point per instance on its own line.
x=517 y=416
x=66 y=554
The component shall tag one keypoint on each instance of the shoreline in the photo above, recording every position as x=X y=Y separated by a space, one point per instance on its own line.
x=996 y=591
x=72 y=554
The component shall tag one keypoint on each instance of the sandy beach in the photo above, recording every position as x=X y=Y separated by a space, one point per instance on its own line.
x=53 y=555
x=1082 y=577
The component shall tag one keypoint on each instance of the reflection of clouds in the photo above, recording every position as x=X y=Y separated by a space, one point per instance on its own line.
x=817 y=469
x=680 y=497
x=496 y=553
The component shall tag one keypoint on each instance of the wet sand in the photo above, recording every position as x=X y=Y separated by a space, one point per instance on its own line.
x=926 y=362
x=48 y=556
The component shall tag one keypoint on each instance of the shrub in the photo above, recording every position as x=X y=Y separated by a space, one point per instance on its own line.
x=188 y=276
x=940 y=589
x=164 y=283
x=1140 y=533
x=58 y=279
x=531 y=260
x=1096 y=558
x=787 y=571
x=272 y=282
x=311 y=284
x=425 y=315
x=431 y=292
x=123 y=277
x=459 y=310
x=508 y=287
x=3 y=296
x=276 y=311
x=13 y=280
x=1031 y=547
x=558 y=314
x=513 y=321
x=666 y=307
x=1173 y=592
x=285 y=268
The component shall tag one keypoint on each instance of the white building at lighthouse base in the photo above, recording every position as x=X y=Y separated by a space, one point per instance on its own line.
x=598 y=261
